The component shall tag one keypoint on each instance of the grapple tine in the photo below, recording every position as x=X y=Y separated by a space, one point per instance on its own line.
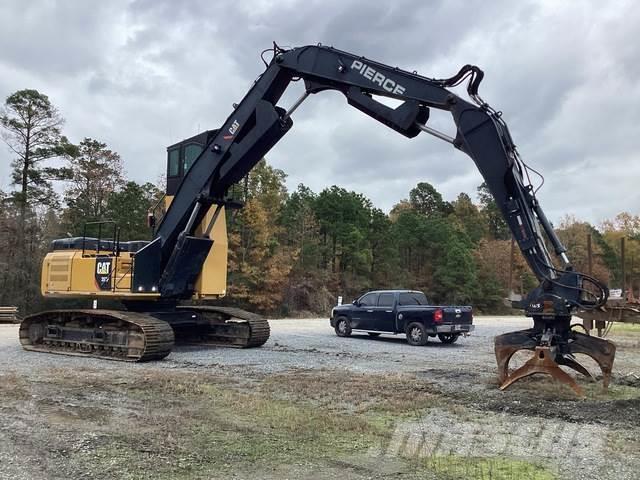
x=602 y=351
x=542 y=362
x=509 y=343
x=571 y=362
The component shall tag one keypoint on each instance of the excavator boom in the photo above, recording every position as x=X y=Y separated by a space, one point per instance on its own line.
x=257 y=123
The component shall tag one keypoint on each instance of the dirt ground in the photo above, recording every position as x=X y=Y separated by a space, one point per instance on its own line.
x=312 y=405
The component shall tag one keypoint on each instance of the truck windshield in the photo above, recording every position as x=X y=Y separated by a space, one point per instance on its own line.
x=413 y=298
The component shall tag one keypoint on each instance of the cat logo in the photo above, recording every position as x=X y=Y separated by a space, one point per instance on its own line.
x=234 y=127
x=103 y=273
x=232 y=130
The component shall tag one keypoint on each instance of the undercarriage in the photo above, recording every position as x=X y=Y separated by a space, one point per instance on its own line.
x=140 y=336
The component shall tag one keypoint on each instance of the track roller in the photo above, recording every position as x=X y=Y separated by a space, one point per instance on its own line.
x=108 y=334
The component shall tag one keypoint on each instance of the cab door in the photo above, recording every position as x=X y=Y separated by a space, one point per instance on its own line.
x=384 y=313
x=363 y=316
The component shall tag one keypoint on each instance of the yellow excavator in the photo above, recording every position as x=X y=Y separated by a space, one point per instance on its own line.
x=104 y=267
x=187 y=257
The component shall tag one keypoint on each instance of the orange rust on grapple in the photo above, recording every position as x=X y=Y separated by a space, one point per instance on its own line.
x=547 y=359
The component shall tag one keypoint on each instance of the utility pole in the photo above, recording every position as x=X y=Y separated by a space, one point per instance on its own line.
x=623 y=270
x=589 y=254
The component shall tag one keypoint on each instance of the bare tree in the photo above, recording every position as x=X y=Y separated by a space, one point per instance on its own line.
x=96 y=173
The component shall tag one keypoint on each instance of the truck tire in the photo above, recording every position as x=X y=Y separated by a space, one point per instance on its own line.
x=416 y=334
x=448 y=338
x=343 y=327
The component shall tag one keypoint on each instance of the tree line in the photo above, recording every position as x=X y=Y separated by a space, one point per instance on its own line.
x=290 y=253
x=296 y=252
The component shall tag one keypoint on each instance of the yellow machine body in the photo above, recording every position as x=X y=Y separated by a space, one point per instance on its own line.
x=73 y=272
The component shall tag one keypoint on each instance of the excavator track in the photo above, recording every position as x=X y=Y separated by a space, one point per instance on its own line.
x=107 y=334
x=225 y=326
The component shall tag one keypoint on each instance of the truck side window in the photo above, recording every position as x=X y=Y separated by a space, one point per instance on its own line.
x=385 y=300
x=174 y=163
x=191 y=152
x=408 y=299
x=369 y=300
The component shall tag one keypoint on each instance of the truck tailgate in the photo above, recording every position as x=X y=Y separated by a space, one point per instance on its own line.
x=457 y=315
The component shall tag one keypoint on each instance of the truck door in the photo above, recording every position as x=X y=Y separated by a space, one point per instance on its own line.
x=384 y=313
x=408 y=298
x=364 y=316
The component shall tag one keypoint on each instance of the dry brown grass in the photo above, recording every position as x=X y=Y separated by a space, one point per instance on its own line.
x=14 y=387
x=348 y=391
x=185 y=424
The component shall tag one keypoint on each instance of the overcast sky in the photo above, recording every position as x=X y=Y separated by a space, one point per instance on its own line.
x=141 y=75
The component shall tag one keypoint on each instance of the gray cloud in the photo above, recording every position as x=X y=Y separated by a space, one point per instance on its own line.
x=143 y=74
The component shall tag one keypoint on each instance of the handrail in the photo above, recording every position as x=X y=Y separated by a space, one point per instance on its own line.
x=151 y=213
x=115 y=250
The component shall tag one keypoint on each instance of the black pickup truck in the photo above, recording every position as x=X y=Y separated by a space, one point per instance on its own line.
x=402 y=311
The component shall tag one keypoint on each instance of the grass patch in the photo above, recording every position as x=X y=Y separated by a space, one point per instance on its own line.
x=192 y=425
x=614 y=392
x=305 y=418
x=352 y=392
x=624 y=442
x=626 y=328
x=167 y=424
x=452 y=467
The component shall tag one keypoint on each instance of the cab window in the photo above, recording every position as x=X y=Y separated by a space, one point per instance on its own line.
x=174 y=163
x=385 y=300
x=191 y=152
x=369 y=300
x=412 y=298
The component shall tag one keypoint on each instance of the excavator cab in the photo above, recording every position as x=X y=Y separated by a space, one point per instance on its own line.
x=180 y=157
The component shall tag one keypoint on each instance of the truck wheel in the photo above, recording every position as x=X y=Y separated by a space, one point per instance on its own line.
x=416 y=334
x=343 y=327
x=448 y=338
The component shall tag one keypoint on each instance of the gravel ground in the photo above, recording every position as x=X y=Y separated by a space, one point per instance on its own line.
x=531 y=421
x=296 y=343
x=312 y=344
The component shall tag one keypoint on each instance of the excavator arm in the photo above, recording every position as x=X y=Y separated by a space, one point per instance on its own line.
x=257 y=123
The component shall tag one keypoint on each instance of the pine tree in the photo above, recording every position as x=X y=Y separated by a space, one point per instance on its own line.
x=31 y=128
x=128 y=208
x=467 y=217
x=32 y=132
x=425 y=199
x=498 y=228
